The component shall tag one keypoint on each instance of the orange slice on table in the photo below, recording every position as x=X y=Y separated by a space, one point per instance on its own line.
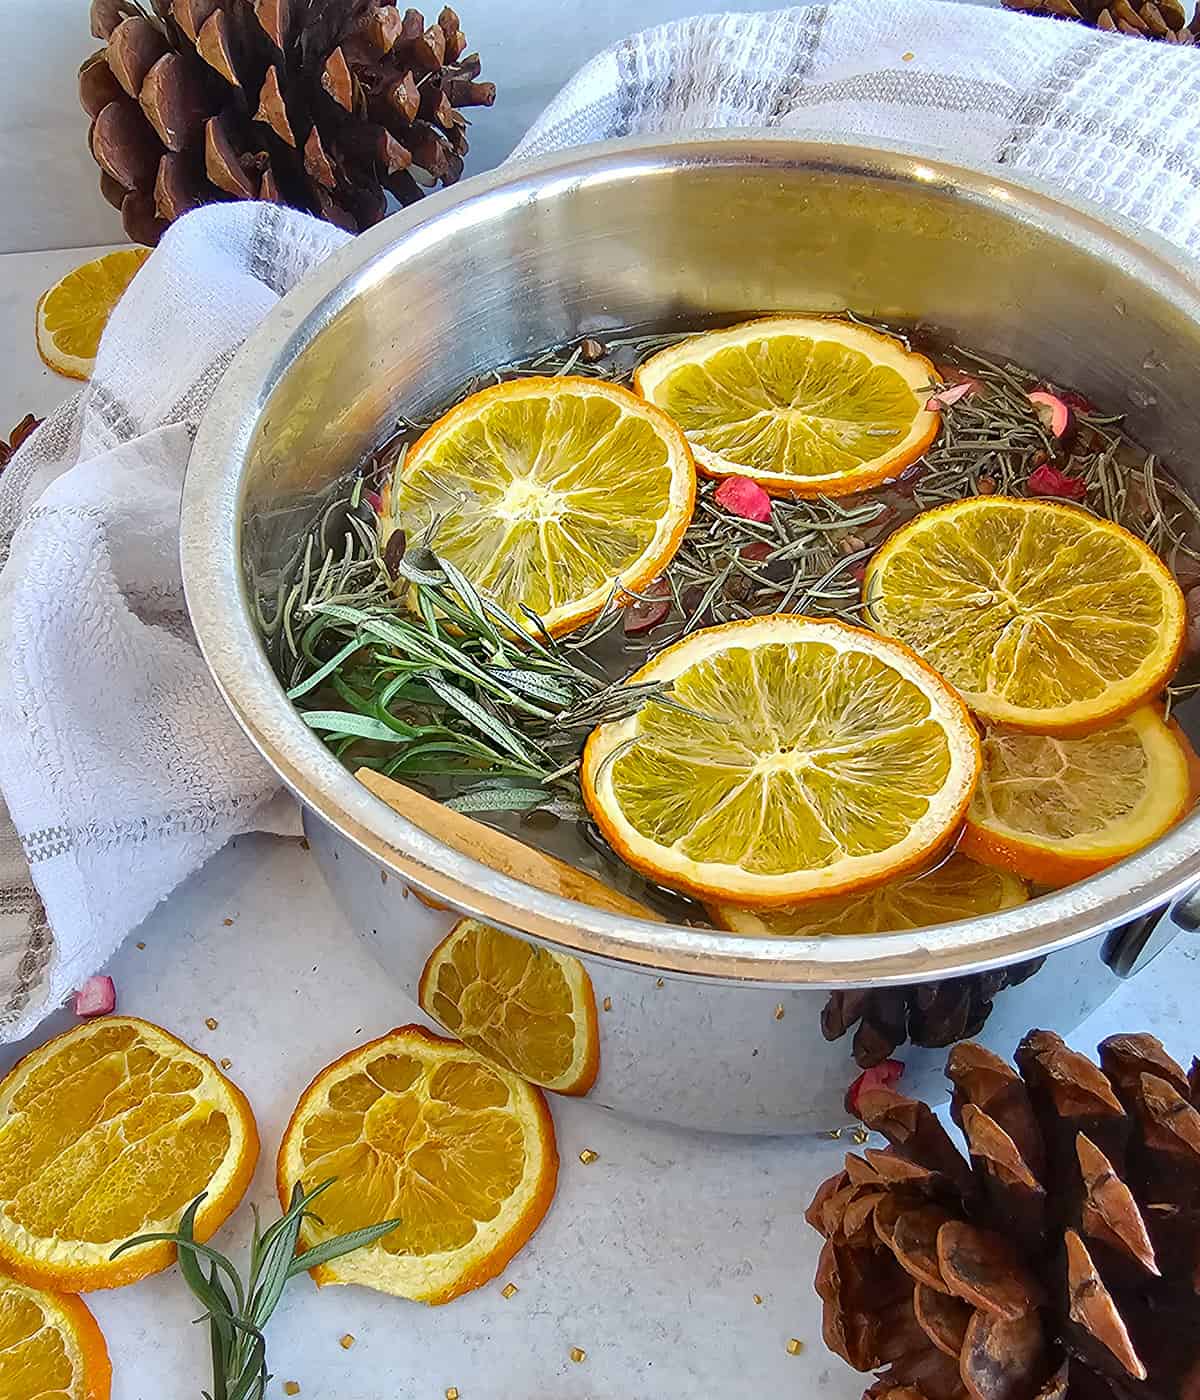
x=110 y=1131
x=528 y=1009
x=812 y=758
x=548 y=494
x=72 y=315
x=421 y=1129
x=50 y=1347
x=1044 y=616
x=958 y=888
x=1059 y=809
x=806 y=405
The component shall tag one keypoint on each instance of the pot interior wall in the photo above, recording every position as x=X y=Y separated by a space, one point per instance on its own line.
x=663 y=239
x=522 y=269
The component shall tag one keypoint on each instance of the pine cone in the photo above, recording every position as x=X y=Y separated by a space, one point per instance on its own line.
x=321 y=104
x=1061 y=1261
x=929 y=1014
x=1155 y=19
x=25 y=428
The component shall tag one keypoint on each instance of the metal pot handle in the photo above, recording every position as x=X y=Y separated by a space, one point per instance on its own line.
x=1140 y=942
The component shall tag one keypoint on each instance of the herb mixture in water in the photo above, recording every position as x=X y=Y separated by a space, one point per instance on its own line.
x=402 y=665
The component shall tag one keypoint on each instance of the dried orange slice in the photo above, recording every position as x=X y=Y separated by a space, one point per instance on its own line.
x=1059 y=809
x=50 y=1347
x=806 y=405
x=1042 y=615
x=548 y=494
x=958 y=888
x=529 y=1009
x=72 y=315
x=422 y=1129
x=110 y=1131
x=1193 y=760
x=812 y=758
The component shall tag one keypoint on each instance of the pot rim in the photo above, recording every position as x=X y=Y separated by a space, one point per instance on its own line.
x=220 y=612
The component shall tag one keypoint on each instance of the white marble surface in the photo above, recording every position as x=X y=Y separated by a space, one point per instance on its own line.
x=651 y=1256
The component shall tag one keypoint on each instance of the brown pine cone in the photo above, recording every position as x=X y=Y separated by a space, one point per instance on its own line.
x=27 y=426
x=929 y=1014
x=1059 y=1260
x=1153 y=19
x=326 y=105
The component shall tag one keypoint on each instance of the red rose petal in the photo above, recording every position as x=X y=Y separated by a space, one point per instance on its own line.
x=1047 y=480
x=758 y=552
x=880 y=1076
x=97 y=997
x=741 y=496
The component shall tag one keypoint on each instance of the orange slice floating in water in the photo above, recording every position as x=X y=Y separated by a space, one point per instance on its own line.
x=805 y=405
x=958 y=888
x=1060 y=809
x=1042 y=615
x=548 y=494
x=802 y=758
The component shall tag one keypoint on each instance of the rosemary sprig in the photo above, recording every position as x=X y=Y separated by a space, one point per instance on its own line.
x=237 y=1312
x=443 y=687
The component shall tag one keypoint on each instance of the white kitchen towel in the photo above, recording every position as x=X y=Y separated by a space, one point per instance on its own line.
x=119 y=765
x=1109 y=118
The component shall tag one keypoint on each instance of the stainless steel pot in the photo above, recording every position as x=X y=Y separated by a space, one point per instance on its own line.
x=705 y=1029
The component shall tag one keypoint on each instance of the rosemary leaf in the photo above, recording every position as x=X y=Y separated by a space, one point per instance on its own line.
x=499 y=800
x=327 y=669
x=236 y=1323
x=340 y=722
x=334 y=1249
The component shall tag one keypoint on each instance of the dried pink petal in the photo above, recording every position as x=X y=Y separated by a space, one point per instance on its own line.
x=741 y=496
x=945 y=397
x=1054 y=412
x=880 y=1076
x=97 y=997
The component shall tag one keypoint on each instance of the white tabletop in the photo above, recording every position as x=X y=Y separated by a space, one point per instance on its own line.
x=651 y=1256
